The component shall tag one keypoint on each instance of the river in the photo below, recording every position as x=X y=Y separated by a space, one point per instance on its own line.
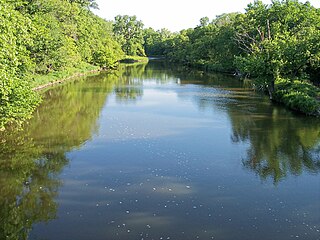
x=157 y=152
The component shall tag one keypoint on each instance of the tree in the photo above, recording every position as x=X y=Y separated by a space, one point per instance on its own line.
x=129 y=32
x=86 y=3
x=17 y=100
x=278 y=40
x=44 y=36
x=204 y=21
x=155 y=41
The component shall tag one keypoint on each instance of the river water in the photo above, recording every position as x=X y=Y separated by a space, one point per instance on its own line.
x=157 y=152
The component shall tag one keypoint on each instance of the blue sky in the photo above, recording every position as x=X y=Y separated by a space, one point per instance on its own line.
x=174 y=15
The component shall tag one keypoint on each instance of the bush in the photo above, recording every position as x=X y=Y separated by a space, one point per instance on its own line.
x=298 y=95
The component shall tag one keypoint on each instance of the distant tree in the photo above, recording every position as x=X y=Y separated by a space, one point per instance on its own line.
x=208 y=46
x=204 y=21
x=86 y=3
x=155 y=41
x=129 y=32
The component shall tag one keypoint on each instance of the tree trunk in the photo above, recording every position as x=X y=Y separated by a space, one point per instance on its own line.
x=271 y=89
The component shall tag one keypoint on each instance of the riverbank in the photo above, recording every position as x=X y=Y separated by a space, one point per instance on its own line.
x=43 y=81
x=134 y=59
x=298 y=95
x=295 y=94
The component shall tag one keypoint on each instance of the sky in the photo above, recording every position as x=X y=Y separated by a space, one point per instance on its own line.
x=174 y=15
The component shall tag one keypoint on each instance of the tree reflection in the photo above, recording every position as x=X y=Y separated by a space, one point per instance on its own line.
x=28 y=186
x=31 y=160
x=129 y=88
x=279 y=143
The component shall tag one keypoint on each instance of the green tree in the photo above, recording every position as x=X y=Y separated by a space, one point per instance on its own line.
x=278 y=40
x=129 y=32
x=86 y=3
x=204 y=21
x=45 y=36
x=155 y=41
x=17 y=100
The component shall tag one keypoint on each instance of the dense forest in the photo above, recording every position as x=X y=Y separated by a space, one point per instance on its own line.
x=38 y=37
x=277 y=45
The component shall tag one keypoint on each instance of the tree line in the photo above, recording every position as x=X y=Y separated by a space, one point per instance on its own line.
x=45 y=36
x=278 y=45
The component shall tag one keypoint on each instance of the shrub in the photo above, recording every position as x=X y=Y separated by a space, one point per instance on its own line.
x=298 y=95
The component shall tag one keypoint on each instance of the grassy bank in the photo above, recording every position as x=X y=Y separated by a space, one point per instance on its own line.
x=42 y=81
x=297 y=95
x=134 y=59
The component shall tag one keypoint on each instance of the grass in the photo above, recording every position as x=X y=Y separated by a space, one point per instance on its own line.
x=298 y=95
x=40 y=80
x=133 y=59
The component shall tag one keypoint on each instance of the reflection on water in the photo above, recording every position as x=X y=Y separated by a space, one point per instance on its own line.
x=31 y=161
x=151 y=152
x=278 y=145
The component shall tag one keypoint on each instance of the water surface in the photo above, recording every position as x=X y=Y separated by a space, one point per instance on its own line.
x=154 y=153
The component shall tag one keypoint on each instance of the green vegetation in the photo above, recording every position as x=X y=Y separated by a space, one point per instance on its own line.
x=298 y=95
x=47 y=39
x=134 y=59
x=129 y=33
x=155 y=41
x=52 y=77
x=267 y=42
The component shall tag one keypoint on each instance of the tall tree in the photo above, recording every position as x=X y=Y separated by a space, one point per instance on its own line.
x=43 y=36
x=278 y=40
x=155 y=41
x=129 y=32
x=17 y=100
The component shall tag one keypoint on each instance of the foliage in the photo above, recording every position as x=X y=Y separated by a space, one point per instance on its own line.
x=41 y=37
x=278 y=40
x=209 y=46
x=82 y=69
x=266 y=42
x=94 y=41
x=129 y=32
x=155 y=41
x=86 y=3
x=299 y=95
x=17 y=100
